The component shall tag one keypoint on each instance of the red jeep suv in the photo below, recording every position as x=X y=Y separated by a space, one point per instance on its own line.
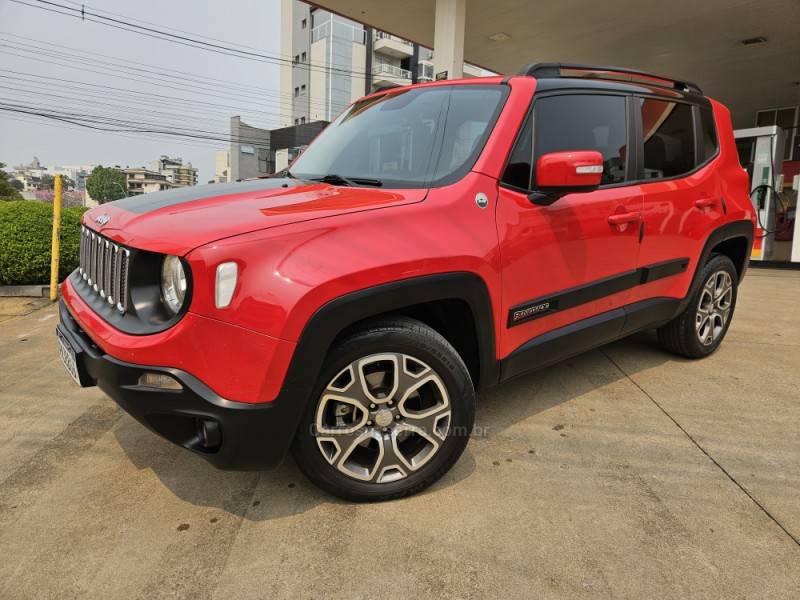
x=434 y=240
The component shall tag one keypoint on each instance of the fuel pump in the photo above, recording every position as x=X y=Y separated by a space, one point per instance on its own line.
x=761 y=154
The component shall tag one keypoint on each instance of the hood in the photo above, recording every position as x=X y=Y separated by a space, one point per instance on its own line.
x=177 y=221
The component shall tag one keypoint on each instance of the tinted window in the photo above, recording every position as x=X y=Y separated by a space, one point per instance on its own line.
x=583 y=122
x=393 y=137
x=668 y=132
x=518 y=169
x=709 y=134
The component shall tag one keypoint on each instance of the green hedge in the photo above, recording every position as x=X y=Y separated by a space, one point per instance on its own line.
x=26 y=229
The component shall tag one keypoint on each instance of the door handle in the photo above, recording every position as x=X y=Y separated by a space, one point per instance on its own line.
x=704 y=203
x=621 y=219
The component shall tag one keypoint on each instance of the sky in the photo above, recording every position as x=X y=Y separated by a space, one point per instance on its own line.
x=211 y=86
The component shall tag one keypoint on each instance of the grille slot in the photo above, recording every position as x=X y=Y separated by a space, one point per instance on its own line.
x=104 y=267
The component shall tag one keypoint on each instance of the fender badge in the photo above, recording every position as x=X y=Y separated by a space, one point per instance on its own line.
x=102 y=220
x=481 y=200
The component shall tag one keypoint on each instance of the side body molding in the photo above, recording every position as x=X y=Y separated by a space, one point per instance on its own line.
x=562 y=343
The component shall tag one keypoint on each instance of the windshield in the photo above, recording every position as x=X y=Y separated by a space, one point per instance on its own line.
x=417 y=137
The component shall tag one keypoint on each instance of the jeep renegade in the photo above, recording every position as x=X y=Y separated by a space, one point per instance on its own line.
x=434 y=240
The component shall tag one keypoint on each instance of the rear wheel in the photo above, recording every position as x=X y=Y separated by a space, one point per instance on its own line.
x=700 y=328
x=393 y=411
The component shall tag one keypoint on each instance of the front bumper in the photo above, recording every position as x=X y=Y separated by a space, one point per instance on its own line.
x=232 y=435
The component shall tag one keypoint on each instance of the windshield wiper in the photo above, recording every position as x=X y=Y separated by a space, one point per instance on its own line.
x=336 y=179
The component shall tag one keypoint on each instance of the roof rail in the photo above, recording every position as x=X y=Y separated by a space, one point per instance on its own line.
x=553 y=70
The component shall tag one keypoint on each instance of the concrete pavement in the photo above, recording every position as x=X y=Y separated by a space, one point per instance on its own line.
x=625 y=472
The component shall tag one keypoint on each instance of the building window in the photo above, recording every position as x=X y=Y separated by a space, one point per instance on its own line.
x=303 y=57
x=302 y=120
x=296 y=59
x=297 y=121
x=303 y=89
x=296 y=91
x=303 y=24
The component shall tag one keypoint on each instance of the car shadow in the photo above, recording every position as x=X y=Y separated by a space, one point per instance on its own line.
x=285 y=491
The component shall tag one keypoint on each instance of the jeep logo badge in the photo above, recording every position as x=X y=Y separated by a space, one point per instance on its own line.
x=102 y=220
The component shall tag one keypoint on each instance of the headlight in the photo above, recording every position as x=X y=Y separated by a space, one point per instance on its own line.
x=173 y=283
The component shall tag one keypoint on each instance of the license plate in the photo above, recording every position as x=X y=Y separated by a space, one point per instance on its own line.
x=67 y=355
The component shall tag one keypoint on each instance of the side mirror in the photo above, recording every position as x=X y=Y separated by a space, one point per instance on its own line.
x=560 y=173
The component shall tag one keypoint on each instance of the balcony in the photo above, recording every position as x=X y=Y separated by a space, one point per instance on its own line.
x=340 y=30
x=390 y=76
x=393 y=46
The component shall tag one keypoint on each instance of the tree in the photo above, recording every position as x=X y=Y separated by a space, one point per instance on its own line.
x=7 y=190
x=105 y=184
x=47 y=182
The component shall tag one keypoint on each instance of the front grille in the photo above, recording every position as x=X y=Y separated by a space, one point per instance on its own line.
x=104 y=266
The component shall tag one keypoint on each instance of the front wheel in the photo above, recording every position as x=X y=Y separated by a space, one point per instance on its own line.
x=392 y=412
x=700 y=328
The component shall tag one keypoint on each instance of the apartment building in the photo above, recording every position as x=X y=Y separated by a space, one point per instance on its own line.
x=335 y=61
x=175 y=171
x=143 y=181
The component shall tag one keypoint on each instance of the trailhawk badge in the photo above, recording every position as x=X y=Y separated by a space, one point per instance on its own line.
x=102 y=220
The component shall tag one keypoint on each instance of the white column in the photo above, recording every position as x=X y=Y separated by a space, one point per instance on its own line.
x=448 y=38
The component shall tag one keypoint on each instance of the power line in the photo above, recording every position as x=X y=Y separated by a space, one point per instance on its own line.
x=141 y=93
x=84 y=15
x=112 y=124
x=116 y=118
x=50 y=123
x=152 y=71
x=135 y=79
x=35 y=87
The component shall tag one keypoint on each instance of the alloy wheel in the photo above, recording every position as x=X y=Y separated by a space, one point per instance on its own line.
x=714 y=307
x=382 y=417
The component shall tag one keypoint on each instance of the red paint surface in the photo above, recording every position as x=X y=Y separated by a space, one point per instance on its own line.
x=300 y=247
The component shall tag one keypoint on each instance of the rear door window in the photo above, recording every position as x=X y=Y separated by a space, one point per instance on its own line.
x=668 y=132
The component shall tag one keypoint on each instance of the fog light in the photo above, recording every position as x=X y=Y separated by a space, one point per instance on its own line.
x=159 y=380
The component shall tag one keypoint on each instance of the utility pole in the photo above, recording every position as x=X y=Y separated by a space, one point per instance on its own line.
x=56 y=242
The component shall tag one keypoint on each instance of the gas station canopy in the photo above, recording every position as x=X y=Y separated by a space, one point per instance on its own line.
x=743 y=53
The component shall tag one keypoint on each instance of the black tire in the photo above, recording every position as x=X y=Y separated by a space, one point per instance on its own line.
x=680 y=335
x=416 y=341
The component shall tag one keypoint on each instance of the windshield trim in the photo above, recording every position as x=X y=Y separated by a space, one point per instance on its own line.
x=458 y=173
